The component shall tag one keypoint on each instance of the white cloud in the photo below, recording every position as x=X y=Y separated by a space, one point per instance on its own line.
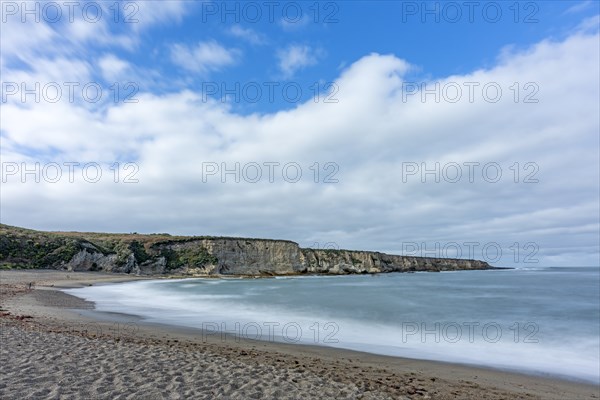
x=248 y=35
x=26 y=41
x=203 y=57
x=82 y=34
x=44 y=71
x=113 y=68
x=143 y=14
x=579 y=7
x=590 y=25
x=21 y=41
x=296 y=57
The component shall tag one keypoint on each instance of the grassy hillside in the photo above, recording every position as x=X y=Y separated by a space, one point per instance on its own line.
x=26 y=248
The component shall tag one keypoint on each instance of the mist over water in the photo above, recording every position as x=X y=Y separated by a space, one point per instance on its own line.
x=539 y=320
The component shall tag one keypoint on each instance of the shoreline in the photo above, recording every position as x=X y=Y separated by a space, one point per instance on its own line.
x=47 y=311
x=93 y=315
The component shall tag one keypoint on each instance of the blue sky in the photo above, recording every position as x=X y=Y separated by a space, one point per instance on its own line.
x=335 y=34
x=327 y=36
x=357 y=143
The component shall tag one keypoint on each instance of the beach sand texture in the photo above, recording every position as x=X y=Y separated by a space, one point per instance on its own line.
x=52 y=347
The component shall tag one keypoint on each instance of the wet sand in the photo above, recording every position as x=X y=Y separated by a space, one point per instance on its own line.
x=54 y=345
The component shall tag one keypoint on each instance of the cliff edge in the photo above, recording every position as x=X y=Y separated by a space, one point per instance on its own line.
x=163 y=254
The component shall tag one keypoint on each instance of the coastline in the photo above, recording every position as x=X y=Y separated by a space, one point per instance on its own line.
x=42 y=320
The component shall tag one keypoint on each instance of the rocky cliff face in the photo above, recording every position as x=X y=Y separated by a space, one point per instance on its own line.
x=199 y=256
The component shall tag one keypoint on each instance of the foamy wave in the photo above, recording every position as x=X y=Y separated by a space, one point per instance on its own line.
x=249 y=309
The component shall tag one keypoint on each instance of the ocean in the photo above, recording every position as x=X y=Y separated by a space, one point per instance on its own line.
x=543 y=321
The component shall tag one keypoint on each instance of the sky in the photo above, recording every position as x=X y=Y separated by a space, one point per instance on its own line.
x=440 y=129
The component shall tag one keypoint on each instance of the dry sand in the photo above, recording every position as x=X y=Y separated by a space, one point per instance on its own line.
x=53 y=347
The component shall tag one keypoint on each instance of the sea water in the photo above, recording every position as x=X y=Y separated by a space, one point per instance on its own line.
x=541 y=320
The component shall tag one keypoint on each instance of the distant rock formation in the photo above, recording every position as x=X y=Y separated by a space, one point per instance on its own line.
x=163 y=254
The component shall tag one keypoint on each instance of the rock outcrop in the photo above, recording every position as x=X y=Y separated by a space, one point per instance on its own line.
x=200 y=256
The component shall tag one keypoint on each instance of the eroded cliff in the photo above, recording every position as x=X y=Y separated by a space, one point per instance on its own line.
x=161 y=254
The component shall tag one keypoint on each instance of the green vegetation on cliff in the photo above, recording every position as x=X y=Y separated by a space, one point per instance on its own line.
x=23 y=248
x=26 y=248
x=156 y=254
x=193 y=258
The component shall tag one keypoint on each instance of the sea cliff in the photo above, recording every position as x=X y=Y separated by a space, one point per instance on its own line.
x=163 y=254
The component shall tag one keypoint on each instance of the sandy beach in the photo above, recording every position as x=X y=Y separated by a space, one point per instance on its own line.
x=54 y=346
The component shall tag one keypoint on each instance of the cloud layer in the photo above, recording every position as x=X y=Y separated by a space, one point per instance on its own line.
x=393 y=164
